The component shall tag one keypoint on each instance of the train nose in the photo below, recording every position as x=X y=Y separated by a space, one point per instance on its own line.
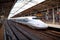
x=42 y=26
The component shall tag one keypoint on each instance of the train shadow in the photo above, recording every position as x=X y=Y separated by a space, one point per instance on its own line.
x=55 y=29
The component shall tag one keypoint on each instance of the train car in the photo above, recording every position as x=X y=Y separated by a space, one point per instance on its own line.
x=32 y=22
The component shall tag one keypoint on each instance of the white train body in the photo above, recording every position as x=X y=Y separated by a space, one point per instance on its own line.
x=32 y=22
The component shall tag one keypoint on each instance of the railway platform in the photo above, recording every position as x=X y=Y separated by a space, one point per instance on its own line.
x=54 y=25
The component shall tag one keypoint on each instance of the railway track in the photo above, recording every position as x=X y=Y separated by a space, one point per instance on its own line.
x=44 y=33
x=16 y=31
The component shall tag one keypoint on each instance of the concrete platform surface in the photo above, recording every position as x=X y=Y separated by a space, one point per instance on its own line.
x=54 y=25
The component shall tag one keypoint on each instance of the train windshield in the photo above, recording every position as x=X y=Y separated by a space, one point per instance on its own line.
x=35 y=18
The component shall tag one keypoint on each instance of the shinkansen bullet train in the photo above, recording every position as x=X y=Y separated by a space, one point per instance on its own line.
x=31 y=22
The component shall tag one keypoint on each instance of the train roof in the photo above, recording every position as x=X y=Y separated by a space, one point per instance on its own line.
x=29 y=17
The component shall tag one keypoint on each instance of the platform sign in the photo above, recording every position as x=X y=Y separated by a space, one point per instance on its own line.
x=22 y=5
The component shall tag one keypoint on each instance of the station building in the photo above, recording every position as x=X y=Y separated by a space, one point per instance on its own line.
x=47 y=11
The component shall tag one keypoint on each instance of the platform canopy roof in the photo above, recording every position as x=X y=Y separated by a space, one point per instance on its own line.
x=22 y=5
x=7 y=5
x=47 y=4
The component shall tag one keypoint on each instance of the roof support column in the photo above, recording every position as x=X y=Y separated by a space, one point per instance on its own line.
x=47 y=19
x=53 y=16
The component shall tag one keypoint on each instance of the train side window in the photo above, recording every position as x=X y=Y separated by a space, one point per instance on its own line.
x=25 y=20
